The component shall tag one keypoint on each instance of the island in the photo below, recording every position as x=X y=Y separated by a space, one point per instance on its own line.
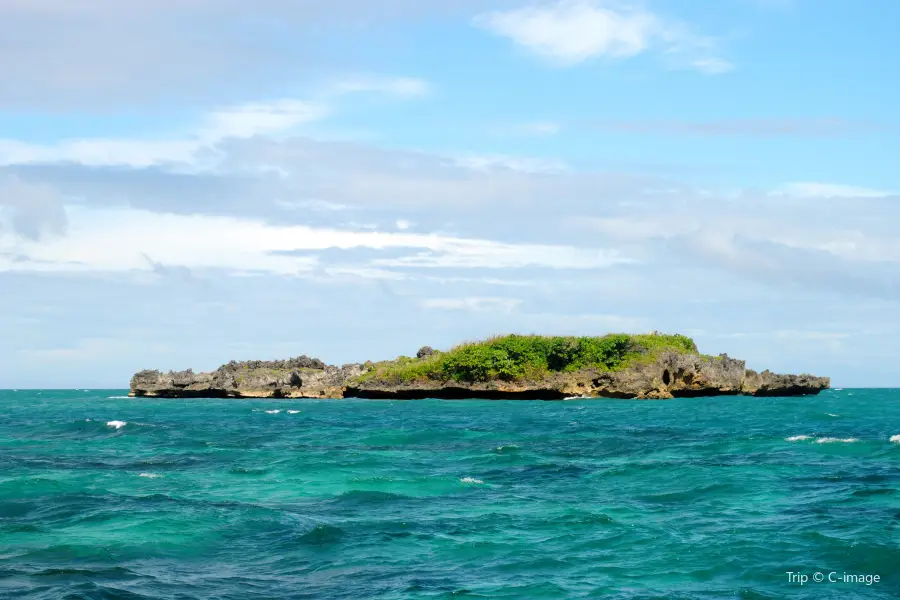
x=524 y=367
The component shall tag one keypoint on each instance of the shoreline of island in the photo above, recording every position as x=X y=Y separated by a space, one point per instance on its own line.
x=523 y=367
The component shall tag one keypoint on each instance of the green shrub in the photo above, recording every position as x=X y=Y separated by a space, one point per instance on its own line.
x=518 y=357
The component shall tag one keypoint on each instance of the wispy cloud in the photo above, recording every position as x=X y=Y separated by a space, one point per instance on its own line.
x=262 y=118
x=244 y=245
x=495 y=162
x=530 y=128
x=197 y=145
x=410 y=87
x=755 y=127
x=811 y=189
x=802 y=127
x=472 y=303
x=33 y=211
x=570 y=32
x=99 y=45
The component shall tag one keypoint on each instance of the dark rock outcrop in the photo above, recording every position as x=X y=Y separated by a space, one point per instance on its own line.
x=668 y=375
x=301 y=377
x=671 y=375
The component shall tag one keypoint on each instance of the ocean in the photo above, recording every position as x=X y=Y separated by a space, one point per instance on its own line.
x=105 y=497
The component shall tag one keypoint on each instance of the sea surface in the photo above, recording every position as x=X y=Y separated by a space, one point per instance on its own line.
x=105 y=497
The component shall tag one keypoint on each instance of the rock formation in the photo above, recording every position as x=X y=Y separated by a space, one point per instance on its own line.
x=658 y=375
x=301 y=377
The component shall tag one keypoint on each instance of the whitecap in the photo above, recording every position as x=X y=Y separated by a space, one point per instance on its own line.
x=831 y=440
x=895 y=439
x=293 y=412
x=507 y=447
x=150 y=475
x=471 y=480
x=839 y=389
x=273 y=412
x=796 y=438
x=117 y=398
x=116 y=424
x=832 y=415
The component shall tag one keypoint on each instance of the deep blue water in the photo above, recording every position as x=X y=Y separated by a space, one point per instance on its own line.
x=108 y=498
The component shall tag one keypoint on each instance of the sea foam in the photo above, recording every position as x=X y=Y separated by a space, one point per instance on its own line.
x=116 y=424
x=471 y=480
x=293 y=412
x=796 y=438
x=832 y=440
x=150 y=475
x=273 y=412
x=895 y=439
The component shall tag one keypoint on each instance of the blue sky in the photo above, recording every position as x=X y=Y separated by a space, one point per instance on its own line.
x=186 y=183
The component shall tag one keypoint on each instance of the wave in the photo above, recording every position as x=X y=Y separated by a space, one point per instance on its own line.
x=507 y=448
x=293 y=412
x=832 y=415
x=273 y=412
x=117 y=424
x=471 y=480
x=797 y=438
x=118 y=398
x=358 y=498
x=895 y=439
x=150 y=475
x=322 y=535
x=248 y=471
x=832 y=440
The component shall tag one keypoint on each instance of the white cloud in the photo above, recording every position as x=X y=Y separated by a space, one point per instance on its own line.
x=712 y=66
x=524 y=164
x=537 y=128
x=569 y=32
x=100 y=53
x=460 y=253
x=103 y=152
x=573 y=31
x=197 y=147
x=261 y=118
x=127 y=239
x=473 y=303
x=409 y=87
x=809 y=189
x=402 y=224
x=31 y=210
x=194 y=147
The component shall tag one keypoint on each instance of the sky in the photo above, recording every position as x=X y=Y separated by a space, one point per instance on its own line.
x=187 y=182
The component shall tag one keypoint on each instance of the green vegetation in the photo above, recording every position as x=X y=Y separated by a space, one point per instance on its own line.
x=528 y=357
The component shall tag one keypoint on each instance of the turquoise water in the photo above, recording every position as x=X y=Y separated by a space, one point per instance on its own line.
x=108 y=498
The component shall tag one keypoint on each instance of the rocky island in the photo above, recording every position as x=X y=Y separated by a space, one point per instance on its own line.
x=526 y=367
